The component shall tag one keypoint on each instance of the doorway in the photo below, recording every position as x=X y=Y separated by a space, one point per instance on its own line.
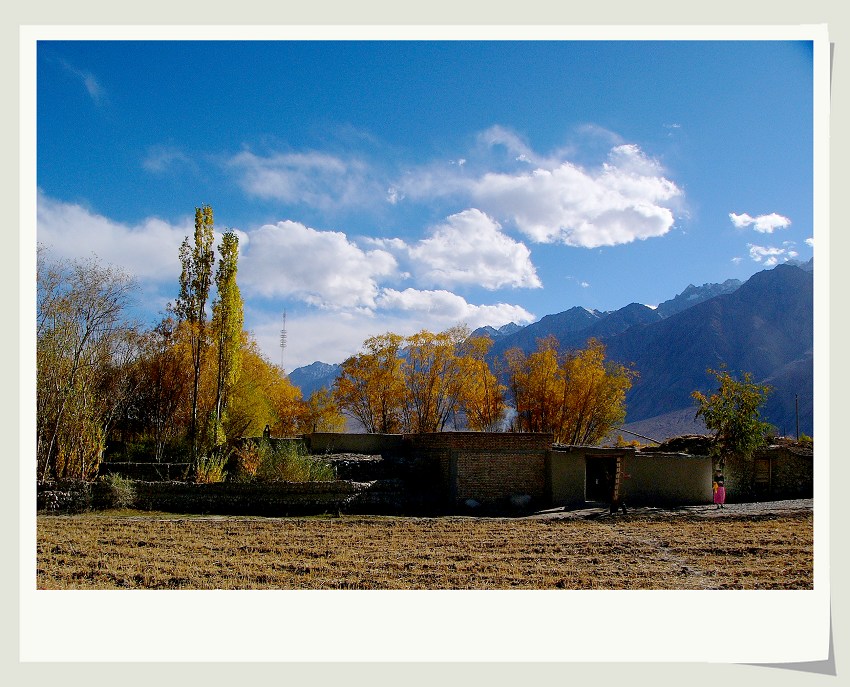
x=600 y=477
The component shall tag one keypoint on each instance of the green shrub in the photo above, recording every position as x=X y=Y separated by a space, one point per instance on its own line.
x=289 y=462
x=244 y=462
x=118 y=492
x=211 y=468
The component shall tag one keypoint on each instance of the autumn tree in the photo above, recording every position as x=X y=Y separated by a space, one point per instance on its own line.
x=482 y=397
x=595 y=396
x=263 y=395
x=322 y=413
x=370 y=386
x=733 y=414
x=158 y=409
x=535 y=384
x=197 y=261
x=227 y=326
x=82 y=332
x=578 y=396
x=433 y=379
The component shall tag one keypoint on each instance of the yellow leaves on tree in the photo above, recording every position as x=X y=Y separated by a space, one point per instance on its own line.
x=370 y=386
x=262 y=396
x=420 y=383
x=577 y=396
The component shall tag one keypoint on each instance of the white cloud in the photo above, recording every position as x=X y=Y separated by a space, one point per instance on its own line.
x=516 y=147
x=321 y=268
x=444 y=308
x=770 y=255
x=737 y=260
x=810 y=242
x=316 y=179
x=148 y=250
x=331 y=337
x=88 y=80
x=625 y=199
x=469 y=248
x=160 y=158
x=765 y=224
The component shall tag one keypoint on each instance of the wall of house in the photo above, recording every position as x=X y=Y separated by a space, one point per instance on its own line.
x=792 y=473
x=648 y=478
x=567 y=471
x=667 y=479
x=490 y=469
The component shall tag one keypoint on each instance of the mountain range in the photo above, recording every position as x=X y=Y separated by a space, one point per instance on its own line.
x=763 y=326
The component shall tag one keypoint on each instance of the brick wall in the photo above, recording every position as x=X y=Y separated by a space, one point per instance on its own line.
x=487 y=468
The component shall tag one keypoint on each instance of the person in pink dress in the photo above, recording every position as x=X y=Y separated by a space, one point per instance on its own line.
x=719 y=489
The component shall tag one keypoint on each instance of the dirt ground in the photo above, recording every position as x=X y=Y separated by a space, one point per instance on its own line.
x=742 y=546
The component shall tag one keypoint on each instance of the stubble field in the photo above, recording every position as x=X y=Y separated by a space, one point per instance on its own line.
x=634 y=551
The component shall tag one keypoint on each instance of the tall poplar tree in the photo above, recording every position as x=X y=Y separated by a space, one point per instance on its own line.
x=227 y=326
x=195 y=278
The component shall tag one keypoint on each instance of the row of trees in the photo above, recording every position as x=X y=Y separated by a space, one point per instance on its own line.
x=190 y=386
x=427 y=381
x=182 y=390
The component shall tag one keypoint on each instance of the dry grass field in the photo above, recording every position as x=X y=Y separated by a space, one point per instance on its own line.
x=634 y=551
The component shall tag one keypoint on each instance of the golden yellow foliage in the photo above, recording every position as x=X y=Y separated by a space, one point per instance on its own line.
x=577 y=396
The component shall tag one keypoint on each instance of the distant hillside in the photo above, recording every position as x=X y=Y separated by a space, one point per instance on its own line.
x=659 y=428
x=763 y=326
x=313 y=377
x=694 y=295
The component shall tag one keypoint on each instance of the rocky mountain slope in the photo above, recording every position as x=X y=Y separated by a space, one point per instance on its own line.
x=763 y=326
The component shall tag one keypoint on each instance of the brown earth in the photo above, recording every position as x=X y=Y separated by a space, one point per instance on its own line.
x=743 y=546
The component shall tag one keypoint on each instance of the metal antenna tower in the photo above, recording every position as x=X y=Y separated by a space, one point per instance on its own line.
x=283 y=338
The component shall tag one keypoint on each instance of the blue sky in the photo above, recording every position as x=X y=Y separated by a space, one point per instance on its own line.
x=399 y=185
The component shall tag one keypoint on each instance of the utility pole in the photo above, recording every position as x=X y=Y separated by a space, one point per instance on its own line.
x=282 y=339
x=797 y=414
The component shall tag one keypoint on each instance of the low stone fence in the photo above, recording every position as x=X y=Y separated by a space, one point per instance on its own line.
x=266 y=499
x=361 y=468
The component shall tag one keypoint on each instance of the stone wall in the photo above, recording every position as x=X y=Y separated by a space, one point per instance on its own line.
x=791 y=473
x=372 y=444
x=271 y=499
x=262 y=499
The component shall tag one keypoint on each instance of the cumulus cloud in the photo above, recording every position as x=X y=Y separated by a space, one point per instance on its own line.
x=627 y=198
x=469 y=248
x=771 y=255
x=446 y=308
x=765 y=224
x=810 y=242
x=316 y=179
x=321 y=268
x=148 y=250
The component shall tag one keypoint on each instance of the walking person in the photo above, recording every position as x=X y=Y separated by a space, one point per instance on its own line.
x=719 y=489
